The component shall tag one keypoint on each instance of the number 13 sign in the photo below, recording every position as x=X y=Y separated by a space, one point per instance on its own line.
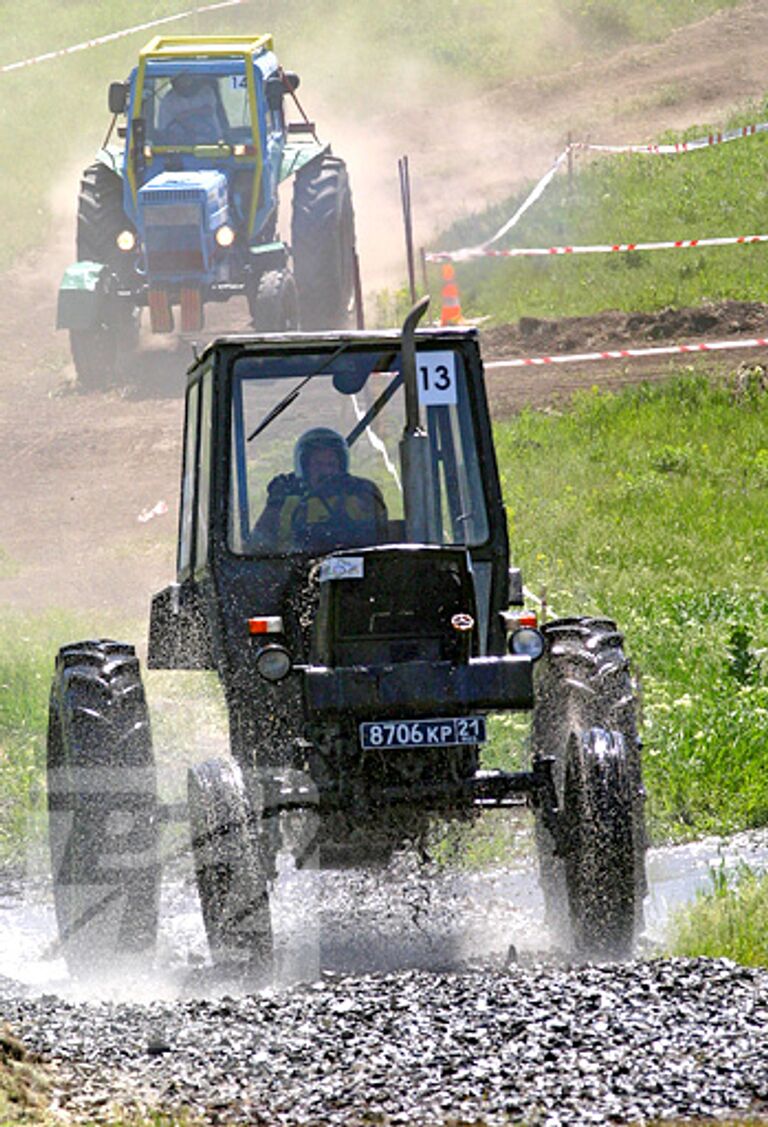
x=436 y=373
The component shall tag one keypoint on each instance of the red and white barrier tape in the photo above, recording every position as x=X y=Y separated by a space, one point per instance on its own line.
x=626 y=353
x=676 y=147
x=599 y=248
x=97 y=42
x=539 y=189
x=531 y=199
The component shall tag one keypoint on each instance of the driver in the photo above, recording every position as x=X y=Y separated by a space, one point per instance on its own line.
x=189 y=112
x=321 y=506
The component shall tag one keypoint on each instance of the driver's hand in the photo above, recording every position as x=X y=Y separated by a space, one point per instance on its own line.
x=281 y=487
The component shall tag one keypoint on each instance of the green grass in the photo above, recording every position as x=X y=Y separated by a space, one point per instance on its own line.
x=730 y=920
x=649 y=505
x=721 y=190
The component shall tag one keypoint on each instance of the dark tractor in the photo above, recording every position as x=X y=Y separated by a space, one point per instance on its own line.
x=183 y=210
x=343 y=565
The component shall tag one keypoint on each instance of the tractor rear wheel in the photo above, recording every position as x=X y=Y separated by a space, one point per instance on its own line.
x=274 y=303
x=101 y=217
x=232 y=877
x=97 y=351
x=600 y=851
x=583 y=683
x=323 y=244
x=102 y=806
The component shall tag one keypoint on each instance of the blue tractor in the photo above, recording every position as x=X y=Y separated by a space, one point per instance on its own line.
x=184 y=210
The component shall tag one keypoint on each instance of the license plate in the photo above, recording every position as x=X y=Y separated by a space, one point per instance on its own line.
x=423 y=733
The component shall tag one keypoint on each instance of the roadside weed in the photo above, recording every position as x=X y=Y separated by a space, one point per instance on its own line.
x=729 y=920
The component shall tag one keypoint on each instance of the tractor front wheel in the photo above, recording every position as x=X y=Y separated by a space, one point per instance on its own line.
x=273 y=303
x=100 y=353
x=583 y=685
x=600 y=850
x=232 y=877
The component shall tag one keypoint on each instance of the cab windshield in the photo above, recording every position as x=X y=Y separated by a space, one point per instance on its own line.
x=185 y=108
x=315 y=462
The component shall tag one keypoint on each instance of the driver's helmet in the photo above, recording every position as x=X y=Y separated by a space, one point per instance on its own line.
x=317 y=438
x=187 y=85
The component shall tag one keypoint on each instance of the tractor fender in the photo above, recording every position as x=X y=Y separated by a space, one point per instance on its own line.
x=112 y=158
x=300 y=155
x=82 y=295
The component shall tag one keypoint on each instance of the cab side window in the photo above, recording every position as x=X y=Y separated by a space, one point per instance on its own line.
x=186 y=516
x=204 y=474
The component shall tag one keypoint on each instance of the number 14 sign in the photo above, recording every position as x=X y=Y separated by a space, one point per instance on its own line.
x=437 y=378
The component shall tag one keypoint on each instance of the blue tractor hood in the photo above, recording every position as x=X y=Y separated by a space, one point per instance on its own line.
x=179 y=214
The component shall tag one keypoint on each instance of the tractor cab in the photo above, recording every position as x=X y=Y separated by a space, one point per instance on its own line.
x=341 y=508
x=217 y=111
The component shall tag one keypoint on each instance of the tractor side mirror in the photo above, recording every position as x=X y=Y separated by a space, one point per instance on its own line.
x=118 y=97
x=275 y=91
x=278 y=85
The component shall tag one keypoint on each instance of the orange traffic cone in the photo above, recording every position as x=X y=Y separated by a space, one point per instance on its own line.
x=451 y=310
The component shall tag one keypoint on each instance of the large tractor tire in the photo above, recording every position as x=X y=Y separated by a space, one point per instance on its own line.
x=323 y=244
x=274 y=303
x=583 y=685
x=232 y=876
x=600 y=856
x=97 y=352
x=103 y=808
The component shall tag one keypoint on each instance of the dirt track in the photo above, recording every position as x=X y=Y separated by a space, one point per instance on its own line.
x=79 y=471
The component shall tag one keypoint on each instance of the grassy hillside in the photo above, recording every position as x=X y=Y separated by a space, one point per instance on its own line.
x=721 y=190
x=649 y=506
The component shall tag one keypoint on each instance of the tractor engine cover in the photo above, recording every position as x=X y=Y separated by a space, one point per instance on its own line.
x=395 y=634
x=179 y=214
x=390 y=604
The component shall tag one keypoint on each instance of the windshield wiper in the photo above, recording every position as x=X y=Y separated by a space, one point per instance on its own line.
x=294 y=393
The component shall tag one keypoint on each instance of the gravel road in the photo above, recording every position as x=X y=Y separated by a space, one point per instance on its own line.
x=539 y=1044
x=419 y=1018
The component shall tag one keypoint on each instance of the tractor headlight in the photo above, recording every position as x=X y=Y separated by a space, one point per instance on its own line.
x=126 y=240
x=225 y=235
x=273 y=662
x=528 y=642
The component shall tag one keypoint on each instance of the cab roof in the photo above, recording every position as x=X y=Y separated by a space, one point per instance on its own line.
x=171 y=47
x=380 y=338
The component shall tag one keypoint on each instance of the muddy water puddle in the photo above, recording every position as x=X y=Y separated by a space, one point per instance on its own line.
x=356 y=922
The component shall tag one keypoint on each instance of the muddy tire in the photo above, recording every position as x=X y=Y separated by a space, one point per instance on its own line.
x=102 y=808
x=231 y=875
x=101 y=217
x=583 y=683
x=600 y=851
x=97 y=352
x=323 y=244
x=274 y=303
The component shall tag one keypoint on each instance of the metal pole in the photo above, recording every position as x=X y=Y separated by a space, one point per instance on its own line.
x=424 y=277
x=405 y=198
